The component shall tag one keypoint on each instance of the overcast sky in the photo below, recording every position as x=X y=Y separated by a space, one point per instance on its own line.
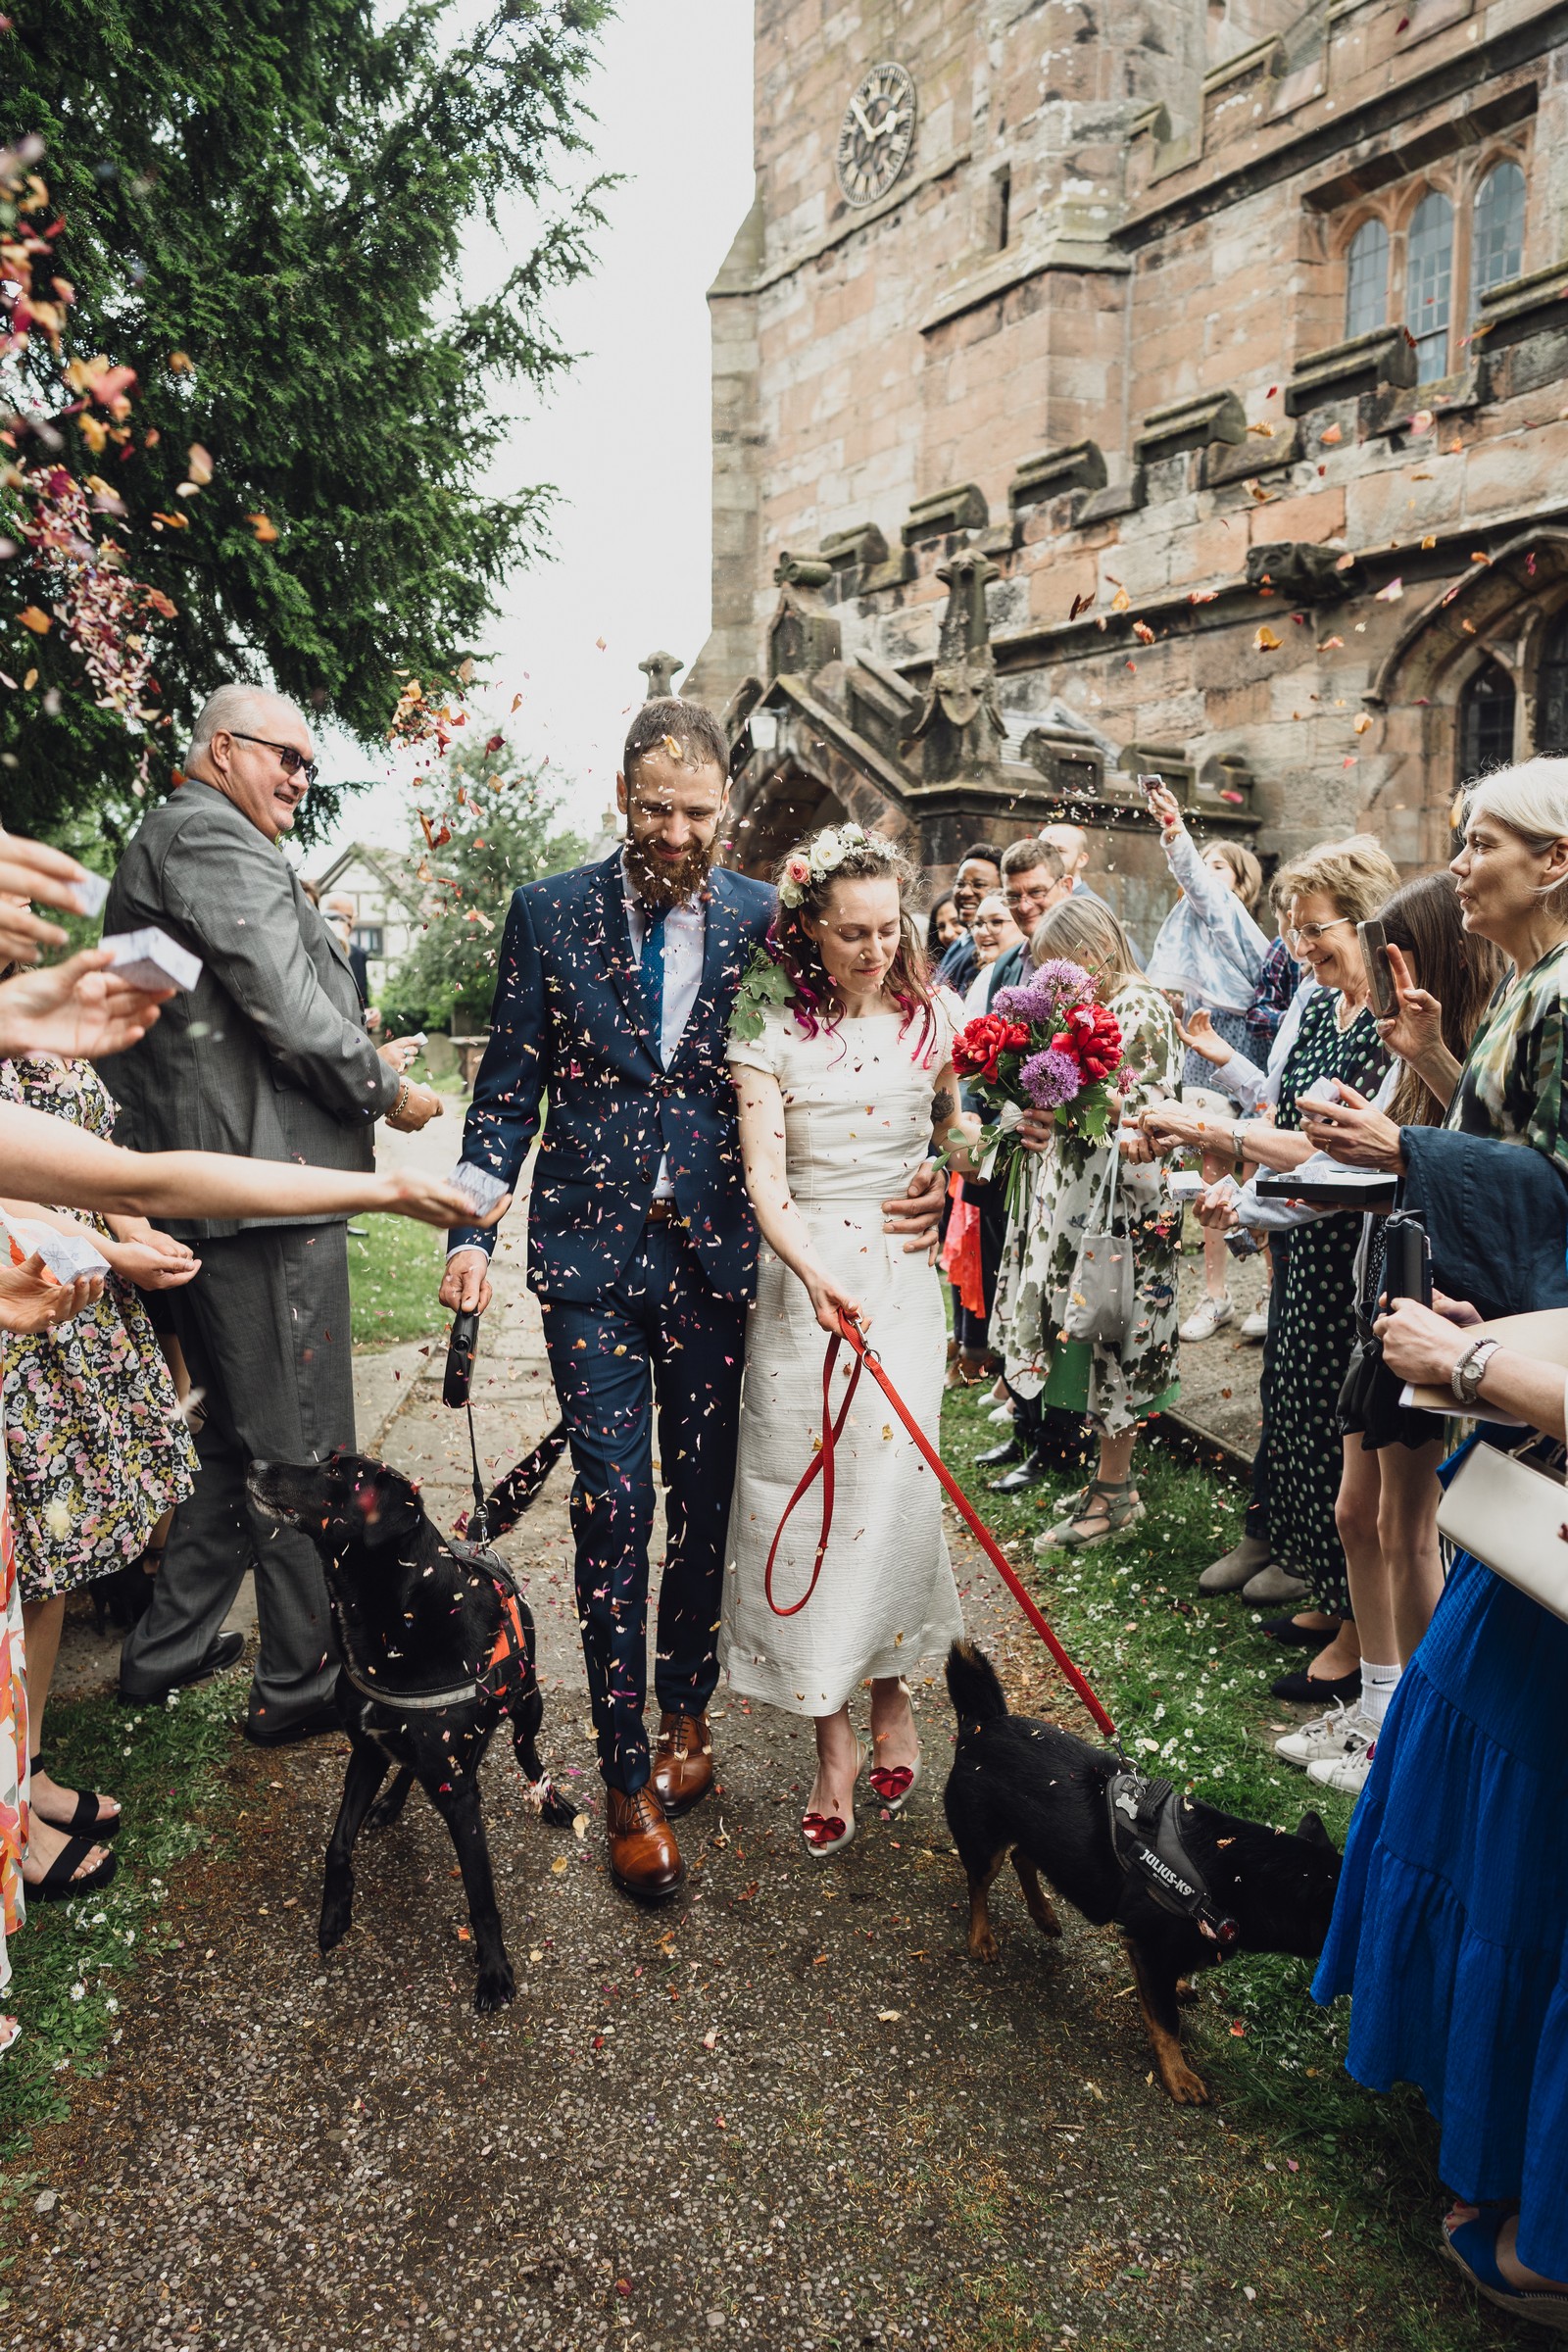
x=625 y=437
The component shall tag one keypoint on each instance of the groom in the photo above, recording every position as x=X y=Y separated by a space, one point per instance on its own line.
x=613 y=1001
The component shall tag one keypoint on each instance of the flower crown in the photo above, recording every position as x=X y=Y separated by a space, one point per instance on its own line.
x=825 y=855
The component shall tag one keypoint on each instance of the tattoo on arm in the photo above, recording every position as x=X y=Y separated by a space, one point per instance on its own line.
x=942 y=1107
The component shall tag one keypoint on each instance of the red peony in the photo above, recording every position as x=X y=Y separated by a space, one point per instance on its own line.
x=1093 y=1036
x=979 y=1046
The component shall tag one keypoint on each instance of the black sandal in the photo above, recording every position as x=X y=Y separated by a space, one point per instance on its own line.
x=59 y=1885
x=85 y=1817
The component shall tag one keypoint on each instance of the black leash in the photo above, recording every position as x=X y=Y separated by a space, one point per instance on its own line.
x=511 y=1497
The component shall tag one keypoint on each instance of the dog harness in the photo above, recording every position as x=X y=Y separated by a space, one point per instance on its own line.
x=503 y=1677
x=1148 y=1845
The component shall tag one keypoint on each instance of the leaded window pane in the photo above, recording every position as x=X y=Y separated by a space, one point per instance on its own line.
x=1551 y=691
x=1486 y=723
x=1366 y=280
x=1498 y=236
x=1429 y=283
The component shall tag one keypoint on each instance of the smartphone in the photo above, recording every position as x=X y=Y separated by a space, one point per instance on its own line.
x=1406 y=1258
x=1380 y=980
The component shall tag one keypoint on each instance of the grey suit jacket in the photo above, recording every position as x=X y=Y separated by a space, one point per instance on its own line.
x=267 y=1057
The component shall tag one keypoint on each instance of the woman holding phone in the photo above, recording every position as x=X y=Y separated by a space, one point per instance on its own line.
x=1332 y=889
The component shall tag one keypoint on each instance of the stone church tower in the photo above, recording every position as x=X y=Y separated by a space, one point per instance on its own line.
x=1180 y=385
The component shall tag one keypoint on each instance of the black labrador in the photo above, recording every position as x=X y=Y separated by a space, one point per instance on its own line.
x=1032 y=1791
x=436 y=1645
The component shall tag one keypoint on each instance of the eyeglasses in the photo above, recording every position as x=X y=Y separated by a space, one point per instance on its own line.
x=294 y=763
x=1308 y=934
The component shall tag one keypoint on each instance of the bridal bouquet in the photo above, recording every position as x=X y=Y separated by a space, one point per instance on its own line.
x=1045 y=1045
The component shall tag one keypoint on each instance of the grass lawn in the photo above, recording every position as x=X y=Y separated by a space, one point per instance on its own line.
x=394 y=1272
x=1186 y=1681
x=73 y=1960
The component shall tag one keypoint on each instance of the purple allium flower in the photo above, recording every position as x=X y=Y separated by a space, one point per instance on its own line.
x=1051 y=1078
x=1041 y=998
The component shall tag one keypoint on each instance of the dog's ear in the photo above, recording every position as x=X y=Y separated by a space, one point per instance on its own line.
x=390 y=1507
x=1315 y=1833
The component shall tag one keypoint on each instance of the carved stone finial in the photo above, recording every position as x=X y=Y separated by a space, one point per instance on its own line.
x=660 y=672
x=959 y=723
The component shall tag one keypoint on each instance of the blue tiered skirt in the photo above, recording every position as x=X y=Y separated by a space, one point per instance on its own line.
x=1450 y=1929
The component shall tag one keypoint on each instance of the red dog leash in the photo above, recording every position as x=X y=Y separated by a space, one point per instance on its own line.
x=821 y=1465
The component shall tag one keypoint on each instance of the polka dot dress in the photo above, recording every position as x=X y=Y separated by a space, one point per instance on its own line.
x=1316 y=1327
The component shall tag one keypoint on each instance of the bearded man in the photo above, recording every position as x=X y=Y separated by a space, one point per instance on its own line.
x=612 y=1003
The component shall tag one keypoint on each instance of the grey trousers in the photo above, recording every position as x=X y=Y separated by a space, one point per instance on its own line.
x=264 y=1327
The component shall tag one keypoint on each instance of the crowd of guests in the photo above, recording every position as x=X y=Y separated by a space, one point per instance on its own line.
x=135 y=1395
x=1436 y=1700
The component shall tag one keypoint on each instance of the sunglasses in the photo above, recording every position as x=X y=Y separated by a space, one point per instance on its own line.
x=293 y=762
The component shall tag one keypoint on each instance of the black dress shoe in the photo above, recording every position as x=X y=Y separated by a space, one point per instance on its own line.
x=226 y=1651
x=1311 y=1689
x=1296 y=1636
x=261 y=1733
x=996 y=1458
x=1029 y=1473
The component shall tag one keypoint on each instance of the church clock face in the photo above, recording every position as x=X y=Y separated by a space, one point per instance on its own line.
x=876 y=134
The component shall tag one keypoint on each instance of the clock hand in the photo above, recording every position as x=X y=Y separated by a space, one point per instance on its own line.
x=858 y=111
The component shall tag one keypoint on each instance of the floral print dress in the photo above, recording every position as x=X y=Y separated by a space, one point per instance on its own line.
x=1116 y=1386
x=96 y=1446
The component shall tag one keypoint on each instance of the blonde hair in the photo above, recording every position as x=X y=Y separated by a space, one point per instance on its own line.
x=1358 y=874
x=1242 y=864
x=1531 y=801
x=1083 y=930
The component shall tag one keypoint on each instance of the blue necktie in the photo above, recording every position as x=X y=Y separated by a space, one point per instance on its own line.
x=652 y=975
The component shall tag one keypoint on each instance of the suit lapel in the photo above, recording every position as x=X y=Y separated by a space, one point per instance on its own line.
x=612 y=936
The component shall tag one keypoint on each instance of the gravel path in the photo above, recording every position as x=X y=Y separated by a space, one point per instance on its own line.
x=786 y=2111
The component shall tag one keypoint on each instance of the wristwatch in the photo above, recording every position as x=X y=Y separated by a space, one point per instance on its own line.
x=1470 y=1370
x=1238 y=1131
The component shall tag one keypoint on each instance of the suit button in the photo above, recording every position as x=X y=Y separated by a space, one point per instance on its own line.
x=645 y=1169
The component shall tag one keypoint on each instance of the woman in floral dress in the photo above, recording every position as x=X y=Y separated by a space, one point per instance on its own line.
x=97 y=1450
x=1115 y=1385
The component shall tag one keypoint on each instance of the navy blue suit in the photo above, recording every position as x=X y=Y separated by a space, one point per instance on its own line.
x=634 y=1314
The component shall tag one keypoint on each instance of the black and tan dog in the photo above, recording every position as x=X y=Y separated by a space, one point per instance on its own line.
x=1031 y=1791
x=436 y=1646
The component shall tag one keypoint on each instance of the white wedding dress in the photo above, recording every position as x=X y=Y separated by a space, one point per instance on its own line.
x=856 y=1124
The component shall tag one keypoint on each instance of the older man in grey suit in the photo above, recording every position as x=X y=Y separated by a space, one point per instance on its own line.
x=268 y=1057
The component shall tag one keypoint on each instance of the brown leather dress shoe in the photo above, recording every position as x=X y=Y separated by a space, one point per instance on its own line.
x=683 y=1762
x=644 y=1858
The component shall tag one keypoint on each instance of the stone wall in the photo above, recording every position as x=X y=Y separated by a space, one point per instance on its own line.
x=1146 y=402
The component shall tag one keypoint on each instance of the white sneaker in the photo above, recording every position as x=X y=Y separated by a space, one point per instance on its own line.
x=1207 y=1319
x=1000 y=1414
x=1255 y=1326
x=1341 y=1732
x=1348 y=1772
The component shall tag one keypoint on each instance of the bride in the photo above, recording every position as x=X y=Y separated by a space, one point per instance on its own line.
x=842 y=1056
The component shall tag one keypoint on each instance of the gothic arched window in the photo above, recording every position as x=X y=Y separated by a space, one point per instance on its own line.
x=1366 y=280
x=1485 y=722
x=1552 y=690
x=1429 y=283
x=1497 y=233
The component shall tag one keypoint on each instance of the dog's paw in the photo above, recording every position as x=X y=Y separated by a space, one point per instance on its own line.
x=496 y=1987
x=383 y=1813
x=1185 y=2088
x=983 y=1946
x=555 y=1809
x=335 y=1918
x=1186 y=1993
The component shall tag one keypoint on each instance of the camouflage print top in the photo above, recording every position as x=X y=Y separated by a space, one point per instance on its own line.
x=1511 y=1086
